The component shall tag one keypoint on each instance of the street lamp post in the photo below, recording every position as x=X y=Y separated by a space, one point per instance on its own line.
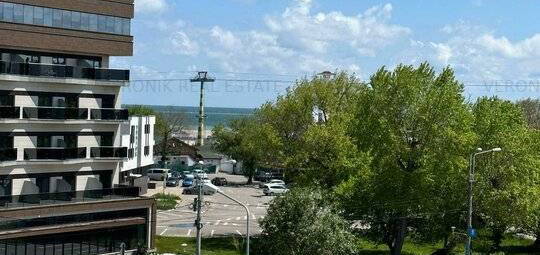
x=240 y=203
x=472 y=162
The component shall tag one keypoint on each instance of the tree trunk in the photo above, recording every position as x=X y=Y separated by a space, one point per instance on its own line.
x=497 y=237
x=398 y=236
x=250 y=180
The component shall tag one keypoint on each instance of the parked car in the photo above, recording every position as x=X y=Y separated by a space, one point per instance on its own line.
x=186 y=174
x=173 y=182
x=200 y=173
x=273 y=181
x=158 y=174
x=274 y=189
x=219 y=181
x=187 y=182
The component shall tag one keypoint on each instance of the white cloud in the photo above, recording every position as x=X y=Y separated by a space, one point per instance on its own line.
x=296 y=41
x=366 y=32
x=150 y=6
x=184 y=45
x=477 y=55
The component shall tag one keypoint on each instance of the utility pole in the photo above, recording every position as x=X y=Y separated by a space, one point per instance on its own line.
x=198 y=205
x=202 y=78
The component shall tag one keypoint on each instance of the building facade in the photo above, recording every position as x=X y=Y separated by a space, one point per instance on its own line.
x=61 y=130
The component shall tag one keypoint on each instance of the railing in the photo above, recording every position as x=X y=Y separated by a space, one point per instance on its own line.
x=131 y=153
x=108 y=152
x=54 y=153
x=26 y=200
x=10 y=112
x=8 y=155
x=63 y=71
x=55 y=113
x=109 y=114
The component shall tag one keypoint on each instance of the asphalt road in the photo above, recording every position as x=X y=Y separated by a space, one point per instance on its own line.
x=220 y=216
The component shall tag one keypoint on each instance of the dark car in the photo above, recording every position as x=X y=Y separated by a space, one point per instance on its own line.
x=219 y=181
x=173 y=182
x=187 y=182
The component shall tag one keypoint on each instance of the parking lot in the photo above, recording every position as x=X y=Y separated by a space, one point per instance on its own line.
x=220 y=216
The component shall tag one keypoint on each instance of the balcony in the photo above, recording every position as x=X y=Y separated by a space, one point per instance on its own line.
x=10 y=112
x=55 y=113
x=62 y=71
x=28 y=200
x=109 y=114
x=54 y=153
x=8 y=155
x=108 y=152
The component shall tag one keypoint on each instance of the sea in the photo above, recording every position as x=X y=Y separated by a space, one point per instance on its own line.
x=214 y=115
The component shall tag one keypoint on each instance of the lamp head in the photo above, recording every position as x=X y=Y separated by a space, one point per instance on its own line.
x=479 y=149
x=496 y=149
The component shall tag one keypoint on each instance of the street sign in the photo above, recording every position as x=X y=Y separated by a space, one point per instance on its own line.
x=472 y=232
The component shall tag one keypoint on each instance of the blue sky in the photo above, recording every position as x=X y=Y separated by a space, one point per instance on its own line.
x=487 y=42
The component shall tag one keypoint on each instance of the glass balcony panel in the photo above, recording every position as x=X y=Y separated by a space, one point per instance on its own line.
x=8 y=154
x=55 y=113
x=63 y=71
x=54 y=153
x=108 y=152
x=109 y=114
x=10 y=112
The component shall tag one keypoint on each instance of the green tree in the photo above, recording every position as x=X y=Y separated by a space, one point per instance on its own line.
x=246 y=140
x=506 y=187
x=304 y=221
x=416 y=127
x=315 y=151
x=531 y=109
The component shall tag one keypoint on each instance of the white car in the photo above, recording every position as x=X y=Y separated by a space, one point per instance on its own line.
x=274 y=189
x=200 y=173
x=271 y=182
x=158 y=174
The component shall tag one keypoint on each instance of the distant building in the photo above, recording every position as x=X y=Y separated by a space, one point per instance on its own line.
x=138 y=137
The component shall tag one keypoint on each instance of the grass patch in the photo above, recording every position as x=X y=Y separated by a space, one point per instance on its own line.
x=166 y=201
x=234 y=246
x=210 y=246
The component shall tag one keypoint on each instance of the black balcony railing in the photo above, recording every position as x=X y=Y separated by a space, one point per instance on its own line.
x=10 y=112
x=109 y=114
x=108 y=152
x=54 y=153
x=55 y=113
x=63 y=71
x=8 y=155
x=68 y=197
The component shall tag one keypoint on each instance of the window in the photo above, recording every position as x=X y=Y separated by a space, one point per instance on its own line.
x=57 y=18
x=93 y=22
x=126 y=27
x=8 y=12
x=147 y=128
x=118 y=25
x=110 y=24
x=34 y=15
x=85 y=21
x=28 y=14
x=76 y=20
x=38 y=16
x=18 y=13
x=102 y=23
x=132 y=135
x=66 y=19
x=47 y=17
